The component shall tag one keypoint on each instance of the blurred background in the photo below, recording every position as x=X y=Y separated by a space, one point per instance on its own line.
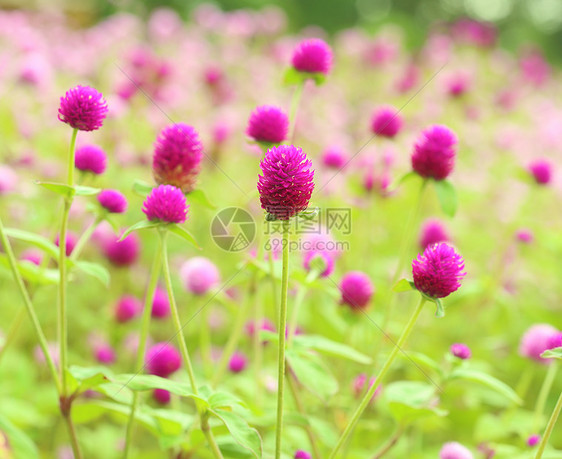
x=520 y=22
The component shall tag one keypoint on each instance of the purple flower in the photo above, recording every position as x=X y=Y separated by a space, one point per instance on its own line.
x=541 y=170
x=334 y=158
x=302 y=454
x=166 y=203
x=536 y=340
x=104 y=354
x=356 y=290
x=83 y=108
x=287 y=182
x=554 y=341
x=533 y=440
x=386 y=122
x=162 y=359
x=160 y=304
x=71 y=240
x=237 y=362
x=90 y=158
x=359 y=385
x=434 y=153
x=199 y=275
x=326 y=258
x=525 y=236
x=438 y=271
x=264 y=324
x=461 y=351
x=177 y=157
x=454 y=450
x=127 y=308
x=162 y=396
x=113 y=201
x=268 y=124
x=312 y=56
x=122 y=253
x=432 y=232
x=33 y=256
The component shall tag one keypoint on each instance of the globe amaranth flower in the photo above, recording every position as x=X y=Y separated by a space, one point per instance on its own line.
x=162 y=359
x=268 y=124
x=541 y=170
x=113 y=201
x=536 y=340
x=302 y=454
x=533 y=440
x=128 y=307
x=434 y=153
x=312 y=56
x=166 y=203
x=160 y=304
x=461 y=351
x=104 y=353
x=525 y=236
x=177 y=157
x=432 y=232
x=287 y=182
x=237 y=362
x=438 y=271
x=90 y=158
x=359 y=386
x=454 y=450
x=356 y=290
x=199 y=275
x=386 y=122
x=83 y=108
x=334 y=158
x=71 y=240
x=121 y=253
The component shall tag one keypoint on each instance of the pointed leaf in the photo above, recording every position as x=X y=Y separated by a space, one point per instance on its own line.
x=243 y=434
x=31 y=272
x=20 y=444
x=140 y=225
x=312 y=373
x=199 y=197
x=403 y=285
x=487 y=380
x=447 y=196
x=94 y=270
x=86 y=190
x=34 y=239
x=184 y=234
x=60 y=188
x=292 y=77
x=142 y=188
x=555 y=353
x=327 y=346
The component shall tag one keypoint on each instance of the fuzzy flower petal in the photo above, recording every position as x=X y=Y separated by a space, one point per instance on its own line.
x=356 y=290
x=90 y=158
x=313 y=56
x=113 y=201
x=268 y=124
x=386 y=122
x=434 y=153
x=83 y=108
x=166 y=203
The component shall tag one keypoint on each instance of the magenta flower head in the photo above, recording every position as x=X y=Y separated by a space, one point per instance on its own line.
x=334 y=158
x=162 y=359
x=323 y=259
x=302 y=454
x=113 y=201
x=536 y=340
x=454 y=450
x=177 y=157
x=287 y=182
x=90 y=158
x=554 y=341
x=166 y=203
x=356 y=290
x=160 y=304
x=525 y=236
x=386 y=122
x=122 y=253
x=237 y=362
x=533 y=440
x=434 y=153
x=162 y=396
x=83 y=108
x=199 y=275
x=268 y=124
x=104 y=353
x=312 y=56
x=71 y=241
x=432 y=232
x=359 y=385
x=461 y=351
x=541 y=170
x=438 y=271
x=127 y=308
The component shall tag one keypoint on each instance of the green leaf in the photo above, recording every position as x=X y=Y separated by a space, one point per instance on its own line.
x=406 y=177
x=222 y=400
x=440 y=310
x=327 y=346
x=34 y=239
x=243 y=434
x=294 y=77
x=140 y=225
x=487 y=380
x=86 y=190
x=199 y=197
x=403 y=285
x=21 y=445
x=89 y=377
x=312 y=373
x=555 y=353
x=447 y=196
x=184 y=234
x=31 y=272
x=60 y=188
x=142 y=188
x=424 y=360
x=411 y=400
x=94 y=270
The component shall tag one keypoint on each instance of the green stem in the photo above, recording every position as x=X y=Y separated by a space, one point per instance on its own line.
x=281 y=325
x=549 y=427
x=73 y=437
x=86 y=235
x=301 y=294
x=209 y=436
x=12 y=333
x=145 y=326
x=295 y=101
x=271 y=260
x=205 y=340
x=543 y=394
x=391 y=442
x=369 y=395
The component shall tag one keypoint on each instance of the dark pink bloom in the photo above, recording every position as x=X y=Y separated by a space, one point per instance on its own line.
x=162 y=359
x=32 y=255
x=454 y=450
x=536 y=340
x=160 y=304
x=113 y=201
x=462 y=351
x=199 y=275
x=386 y=122
x=128 y=307
x=438 y=271
x=534 y=67
x=237 y=362
x=264 y=324
x=83 y=108
x=541 y=170
x=313 y=56
x=90 y=158
x=177 y=157
x=356 y=289
x=432 y=231
x=326 y=258
x=162 y=396
x=71 y=240
x=359 y=386
x=268 y=124
x=474 y=32
x=334 y=158
x=122 y=253
x=533 y=440
x=554 y=341
x=166 y=203
x=302 y=454
x=525 y=236
x=104 y=354
x=458 y=84
x=434 y=152
x=287 y=182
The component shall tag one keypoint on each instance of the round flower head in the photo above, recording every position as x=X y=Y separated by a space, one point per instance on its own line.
x=386 y=122
x=33 y=256
x=434 y=153
x=302 y=454
x=533 y=440
x=541 y=170
x=432 y=232
x=162 y=396
x=162 y=359
x=334 y=158
x=127 y=308
x=199 y=275
x=113 y=201
x=461 y=351
x=70 y=243
x=83 y=108
x=166 y=203
x=438 y=271
x=90 y=158
x=454 y=450
x=104 y=354
x=122 y=253
x=356 y=290
x=319 y=258
x=312 y=56
x=536 y=340
x=525 y=236
x=268 y=124
x=287 y=182
x=237 y=362
x=177 y=157
x=554 y=341
x=160 y=304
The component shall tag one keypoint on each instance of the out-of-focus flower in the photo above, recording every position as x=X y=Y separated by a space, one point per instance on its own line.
x=90 y=158
x=541 y=170
x=386 y=122
x=461 y=351
x=356 y=290
x=454 y=450
x=121 y=253
x=160 y=304
x=162 y=396
x=162 y=359
x=312 y=56
x=128 y=307
x=536 y=340
x=113 y=201
x=71 y=240
x=334 y=158
x=8 y=179
x=434 y=153
x=525 y=236
x=199 y=275
x=432 y=232
x=319 y=258
x=237 y=362
x=533 y=440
